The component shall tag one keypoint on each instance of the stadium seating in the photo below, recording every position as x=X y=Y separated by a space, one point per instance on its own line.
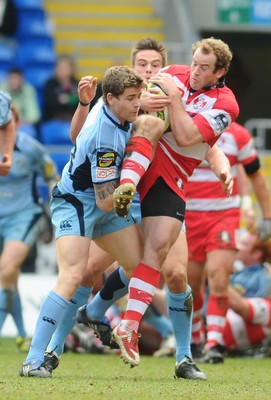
x=100 y=33
x=60 y=158
x=29 y=129
x=55 y=135
x=7 y=56
x=32 y=23
x=29 y=4
x=35 y=51
x=55 y=132
x=3 y=74
x=32 y=53
x=38 y=75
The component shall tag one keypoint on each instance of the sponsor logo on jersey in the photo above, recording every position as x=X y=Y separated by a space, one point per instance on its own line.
x=65 y=225
x=219 y=123
x=103 y=173
x=49 y=169
x=106 y=159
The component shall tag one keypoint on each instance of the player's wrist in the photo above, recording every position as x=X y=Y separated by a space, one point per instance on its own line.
x=84 y=104
x=246 y=202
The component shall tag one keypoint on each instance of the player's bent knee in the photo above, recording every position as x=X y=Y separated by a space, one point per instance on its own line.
x=149 y=127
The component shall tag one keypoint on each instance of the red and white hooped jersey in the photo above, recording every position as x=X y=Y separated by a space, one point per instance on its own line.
x=238 y=334
x=204 y=191
x=213 y=110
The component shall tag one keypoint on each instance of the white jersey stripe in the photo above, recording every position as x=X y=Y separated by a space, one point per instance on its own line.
x=213 y=204
x=172 y=159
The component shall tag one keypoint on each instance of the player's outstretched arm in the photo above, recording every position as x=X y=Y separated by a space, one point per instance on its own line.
x=220 y=165
x=86 y=92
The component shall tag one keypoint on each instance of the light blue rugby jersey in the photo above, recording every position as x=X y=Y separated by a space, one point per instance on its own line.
x=98 y=152
x=18 y=189
x=5 y=112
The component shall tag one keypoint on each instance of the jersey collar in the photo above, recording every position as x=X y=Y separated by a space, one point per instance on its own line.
x=124 y=127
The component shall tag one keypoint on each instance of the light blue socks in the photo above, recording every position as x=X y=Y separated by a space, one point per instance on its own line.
x=180 y=311
x=68 y=320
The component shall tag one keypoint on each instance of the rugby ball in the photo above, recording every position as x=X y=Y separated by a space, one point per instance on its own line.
x=163 y=115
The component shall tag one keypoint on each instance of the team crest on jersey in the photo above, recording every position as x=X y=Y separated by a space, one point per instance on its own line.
x=179 y=183
x=200 y=103
x=106 y=159
x=225 y=237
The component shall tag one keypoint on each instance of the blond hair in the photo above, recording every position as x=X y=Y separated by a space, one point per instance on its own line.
x=221 y=50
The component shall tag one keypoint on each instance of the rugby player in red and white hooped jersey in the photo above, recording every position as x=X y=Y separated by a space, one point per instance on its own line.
x=183 y=148
x=248 y=321
x=212 y=222
x=201 y=108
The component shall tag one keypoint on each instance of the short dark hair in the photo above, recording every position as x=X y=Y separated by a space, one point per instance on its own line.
x=149 y=44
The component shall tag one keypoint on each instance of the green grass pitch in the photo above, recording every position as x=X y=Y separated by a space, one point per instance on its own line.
x=94 y=377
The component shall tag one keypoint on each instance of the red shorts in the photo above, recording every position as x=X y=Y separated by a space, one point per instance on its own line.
x=211 y=230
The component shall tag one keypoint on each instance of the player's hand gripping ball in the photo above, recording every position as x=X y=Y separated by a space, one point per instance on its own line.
x=163 y=115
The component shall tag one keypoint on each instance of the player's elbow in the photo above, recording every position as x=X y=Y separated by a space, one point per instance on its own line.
x=187 y=134
x=183 y=141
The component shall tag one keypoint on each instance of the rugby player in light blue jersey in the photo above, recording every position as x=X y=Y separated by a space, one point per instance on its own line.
x=20 y=213
x=7 y=134
x=82 y=202
x=147 y=57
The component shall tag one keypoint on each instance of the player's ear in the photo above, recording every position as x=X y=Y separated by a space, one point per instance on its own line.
x=110 y=98
x=220 y=72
